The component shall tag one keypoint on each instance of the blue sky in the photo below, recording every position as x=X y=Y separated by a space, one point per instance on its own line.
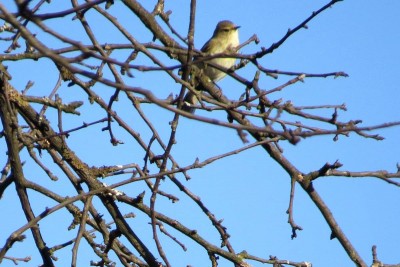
x=249 y=190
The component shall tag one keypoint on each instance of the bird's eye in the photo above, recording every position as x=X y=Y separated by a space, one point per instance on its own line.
x=226 y=30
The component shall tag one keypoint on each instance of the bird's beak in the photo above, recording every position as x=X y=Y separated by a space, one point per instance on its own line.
x=237 y=27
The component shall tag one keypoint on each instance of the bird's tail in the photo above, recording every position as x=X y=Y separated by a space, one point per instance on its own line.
x=189 y=101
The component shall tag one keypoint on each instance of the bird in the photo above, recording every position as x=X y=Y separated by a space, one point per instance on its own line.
x=224 y=39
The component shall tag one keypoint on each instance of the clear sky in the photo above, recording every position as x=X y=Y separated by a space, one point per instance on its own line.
x=249 y=190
